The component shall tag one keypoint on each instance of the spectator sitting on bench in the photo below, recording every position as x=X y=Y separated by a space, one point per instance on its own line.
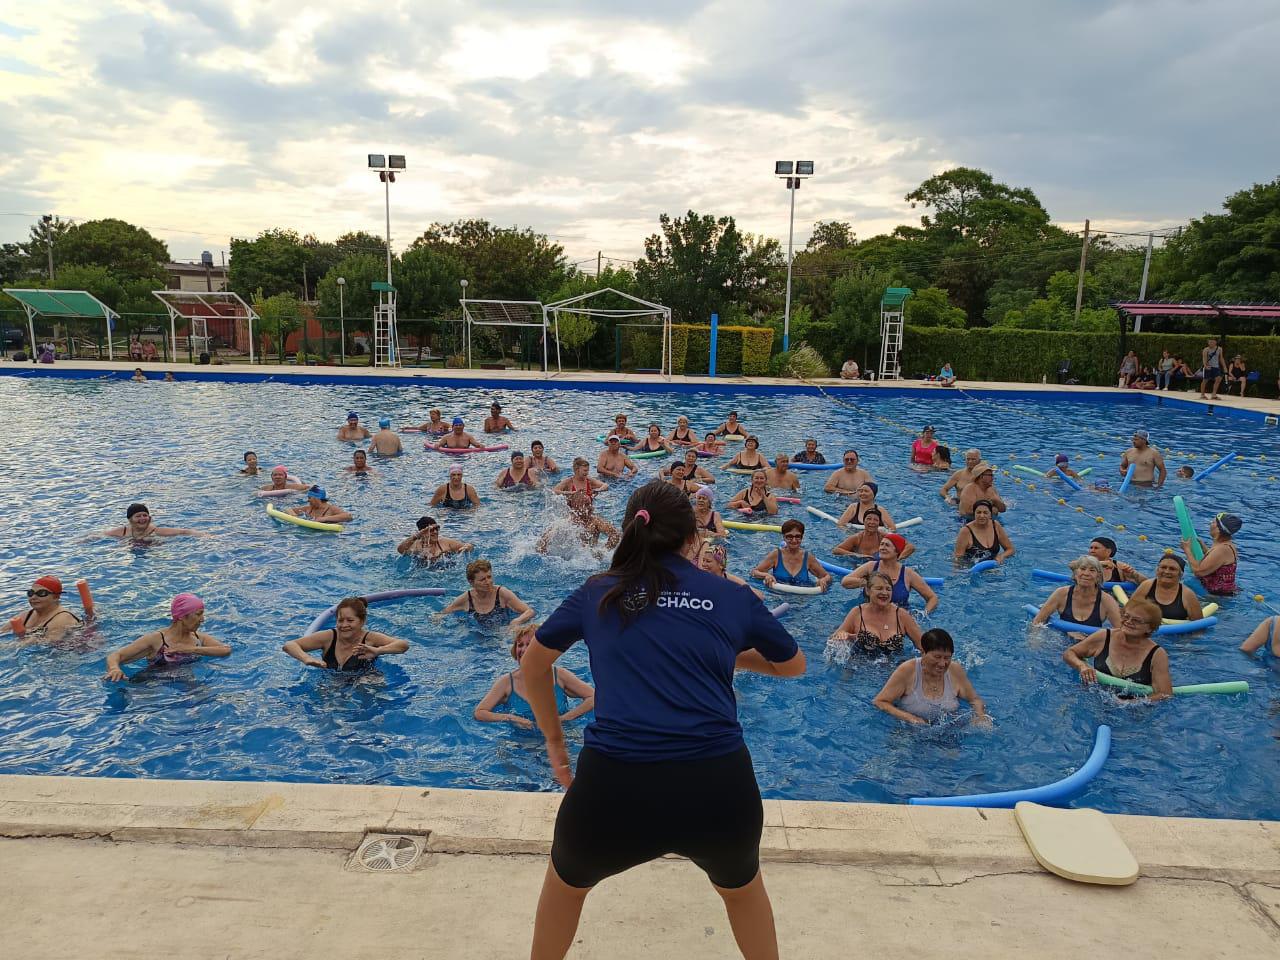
x=1145 y=380
x=1238 y=372
x=850 y=371
x=1181 y=372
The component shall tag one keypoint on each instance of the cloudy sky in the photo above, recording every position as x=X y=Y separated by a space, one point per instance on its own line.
x=204 y=120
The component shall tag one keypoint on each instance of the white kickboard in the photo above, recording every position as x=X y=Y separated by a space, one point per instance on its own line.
x=1080 y=845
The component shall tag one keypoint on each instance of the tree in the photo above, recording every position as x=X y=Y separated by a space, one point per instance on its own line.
x=574 y=331
x=931 y=308
x=361 y=242
x=831 y=235
x=279 y=315
x=427 y=282
x=853 y=325
x=270 y=263
x=1233 y=255
x=96 y=280
x=125 y=251
x=358 y=299
x=500 y=263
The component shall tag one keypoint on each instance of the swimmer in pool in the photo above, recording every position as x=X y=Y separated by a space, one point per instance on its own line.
x=682 y=436
x=810 y=453
x=47 y=620
x=931 y=685
x=757 y=498
x=748 y=458
x=654 y=441
x=849 y=477
x=347 y=647
x=692 y=471
x=865 y=544
x=353 y=429
x=923 y=447
x=490 y=604
x=319 y=508
x=280 y=478
x=518 y=476
x=678 y=478
x=539 y=460
x=781 y=476
x=941 y=460
x=580 y=480
x=495 y=422
x=878 y=625
x=386 y=442
x=138 y=375
x=983 y=537
x=509 y=689
x=964 y=476
x=1061 y=462
x=592 y=526
x=456 y=494
x=427 y=544
x=458 y=439
x=1084 y=601
x=1103 y=549
x=791 y=564
x=250 y=468
x=1167 y=591
x=1266 y=634
x=360 y=464
x=140 y=528
x=1216 y=570
x=710 y=444
x=732 y=427
x=1150 y=471
x=613 y=462
x=435 y=423
x=1127 y=651
x=714 y=558
x=180 y=644
x=705 y=519
x=626 y=436
x=865 y=499
x=889 y=561
x=982 y=488
x=1184 y=473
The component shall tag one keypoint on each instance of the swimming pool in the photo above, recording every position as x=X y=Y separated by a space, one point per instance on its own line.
x=79 y=451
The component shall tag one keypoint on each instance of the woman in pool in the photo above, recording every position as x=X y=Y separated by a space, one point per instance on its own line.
x=864 y=500
x=539 y=460
x=682 y=436
x=180 y=644
x=348 y=647
x=1127 y=652
x=942 y=458
x=490 y=604
x=878 y=625
x=748 y=458
x=1084 y=601
x=904 y=578
x=47 y=620
x=757 y=498
x=691 y=469
x=427 y=544
x=931 y=685
x=320 y=509
x=732 y=427
x=665 y=640
x=679 y=478
x=518 y=476
x=509 y=689
x=922 y=447
x=983 y=537
x=865 y=544
x=581 y=480
x=711 y=445
x=791 y=564
x=250 y=464
x=714 y=558
x=709 y=523
x=280 y=479
x=653 y=441
x=457 y=494
x=1265 y=634
x=1060 y=462
x=1167 y=591
x=435 y=424
x=139 y=527
x=1217 y=571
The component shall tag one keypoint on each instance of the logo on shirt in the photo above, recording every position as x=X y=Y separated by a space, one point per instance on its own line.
x=683 y=600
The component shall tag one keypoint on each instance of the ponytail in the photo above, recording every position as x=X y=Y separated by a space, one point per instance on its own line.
x=658 y=521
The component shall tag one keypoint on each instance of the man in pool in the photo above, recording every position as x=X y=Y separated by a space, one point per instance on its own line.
x=458 y=438
x=626 y=436
x=849 y=477
x=359 y=465
x=320 y=509
x=982 y=488
x=386 y=442
x=691 y=469
x=250 y=464
x=1150 y=470
x=280 y=478
x=353 y=429
x=495 y=422
x=781 y=476
x=427 y=544
x=139 y=527
x=613 y=463
x=1103 y=549
x=964 y=476
x=539 y=460
x=810 y=453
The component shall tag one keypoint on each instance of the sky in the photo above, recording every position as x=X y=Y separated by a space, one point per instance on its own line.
x=206 y=120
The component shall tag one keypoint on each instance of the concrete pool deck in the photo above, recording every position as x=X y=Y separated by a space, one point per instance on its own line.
x=105 y=868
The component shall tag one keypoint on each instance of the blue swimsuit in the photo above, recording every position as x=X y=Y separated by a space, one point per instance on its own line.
x=783 y=575
x=901 y=592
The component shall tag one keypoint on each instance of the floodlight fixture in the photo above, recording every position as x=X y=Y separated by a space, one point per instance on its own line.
x=396 y=161
x=804 y=168
x=782 y=168
x=377 y=161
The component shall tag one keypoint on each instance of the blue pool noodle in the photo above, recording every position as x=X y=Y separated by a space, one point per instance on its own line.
x=840 y=571
x=1214 y=466
x=810 y=466
x=1056 y=794
x=1128 y=477
x=383 y=597
x=1070 y=481
x=982 y=565
x=1165 y=630
x=1055 y=577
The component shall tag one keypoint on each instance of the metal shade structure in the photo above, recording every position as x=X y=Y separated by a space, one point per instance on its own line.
x=199 y=307
x=642 y=308
x=1203 y=310
x=65 y=305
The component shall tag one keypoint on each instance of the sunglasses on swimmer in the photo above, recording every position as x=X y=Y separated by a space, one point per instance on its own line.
x=39 y=593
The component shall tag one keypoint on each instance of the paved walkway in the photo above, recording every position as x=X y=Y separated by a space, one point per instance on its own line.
x=131 y=868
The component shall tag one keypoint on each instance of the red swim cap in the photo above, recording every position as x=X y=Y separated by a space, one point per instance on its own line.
x=52 y=584
x=899 y=542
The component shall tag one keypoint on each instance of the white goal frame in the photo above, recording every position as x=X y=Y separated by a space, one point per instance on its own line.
x=480 y=313
x=205 y=300
x=642 y=308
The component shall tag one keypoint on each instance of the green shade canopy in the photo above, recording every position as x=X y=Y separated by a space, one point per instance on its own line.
x=895 y=296
x=62 y=303
x=381 y=286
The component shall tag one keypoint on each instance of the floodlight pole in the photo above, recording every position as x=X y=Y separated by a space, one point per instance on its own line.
x=342 y=323
x=791 y=231
x=386 y=183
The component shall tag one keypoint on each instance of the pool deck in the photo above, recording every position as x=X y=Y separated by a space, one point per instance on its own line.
x=105 y=868
x=1251 y=407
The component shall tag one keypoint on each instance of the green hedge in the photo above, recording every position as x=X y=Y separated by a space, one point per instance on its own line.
x=1024 y=356
x=742 y=350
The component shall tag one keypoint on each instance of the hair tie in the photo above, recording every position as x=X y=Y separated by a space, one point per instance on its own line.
x=643 y=515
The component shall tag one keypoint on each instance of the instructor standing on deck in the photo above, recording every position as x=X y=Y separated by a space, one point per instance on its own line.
x=664 y=768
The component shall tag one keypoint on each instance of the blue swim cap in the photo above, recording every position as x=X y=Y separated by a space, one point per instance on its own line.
x=353 y=415
x=318 y=493
x=457 y=421
x=384 y=422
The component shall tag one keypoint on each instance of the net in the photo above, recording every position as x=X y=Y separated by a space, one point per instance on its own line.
x=507 y=334
x=209 y=320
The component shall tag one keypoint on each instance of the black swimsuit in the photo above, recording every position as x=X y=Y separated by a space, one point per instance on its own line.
x=353 y=663
x=978 y=550
x=1177 y=610
x=36 y=631
x=1141 y=675
x=1068 y=611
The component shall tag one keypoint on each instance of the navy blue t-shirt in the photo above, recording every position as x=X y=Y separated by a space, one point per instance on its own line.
x=664 y=684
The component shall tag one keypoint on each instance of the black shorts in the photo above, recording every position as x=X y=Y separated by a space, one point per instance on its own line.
x=618 y=815
x=1213 y=373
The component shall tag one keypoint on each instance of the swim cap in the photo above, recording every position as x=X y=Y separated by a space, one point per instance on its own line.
x=426 y=522
x=353 y=415
x=874 y=487
x=612 y=437
x=318 y=492
x=1229 y=522
x=898 y=540
x=516 y=453
x=384 y=422
x=1061 y=458
x=1106 y=542
x=705 y=491
x=1102 y=485
x=928 y=428
x=457 y=421
x=279 y=468
x=456 y=468
x=184 y=604
x=1142 y=433
x=50 y=583
x=135 y=508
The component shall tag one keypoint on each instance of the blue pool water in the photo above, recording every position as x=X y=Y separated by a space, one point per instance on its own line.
x=78 y=451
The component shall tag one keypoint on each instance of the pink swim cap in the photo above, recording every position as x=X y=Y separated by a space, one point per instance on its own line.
x=279 y=468
x=184 y=604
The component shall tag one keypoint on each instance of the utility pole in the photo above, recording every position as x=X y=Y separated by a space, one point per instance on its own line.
x=1142 y=291
x=1084 y=251
x=47 y=220
x=304 y=283
x=599 y=258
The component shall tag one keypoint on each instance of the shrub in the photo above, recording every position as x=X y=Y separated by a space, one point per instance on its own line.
x=742 y=350
x=757 y=345
x=807 y=364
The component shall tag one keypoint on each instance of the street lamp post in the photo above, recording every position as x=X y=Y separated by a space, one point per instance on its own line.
x=793 y=172
x=342 y=322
